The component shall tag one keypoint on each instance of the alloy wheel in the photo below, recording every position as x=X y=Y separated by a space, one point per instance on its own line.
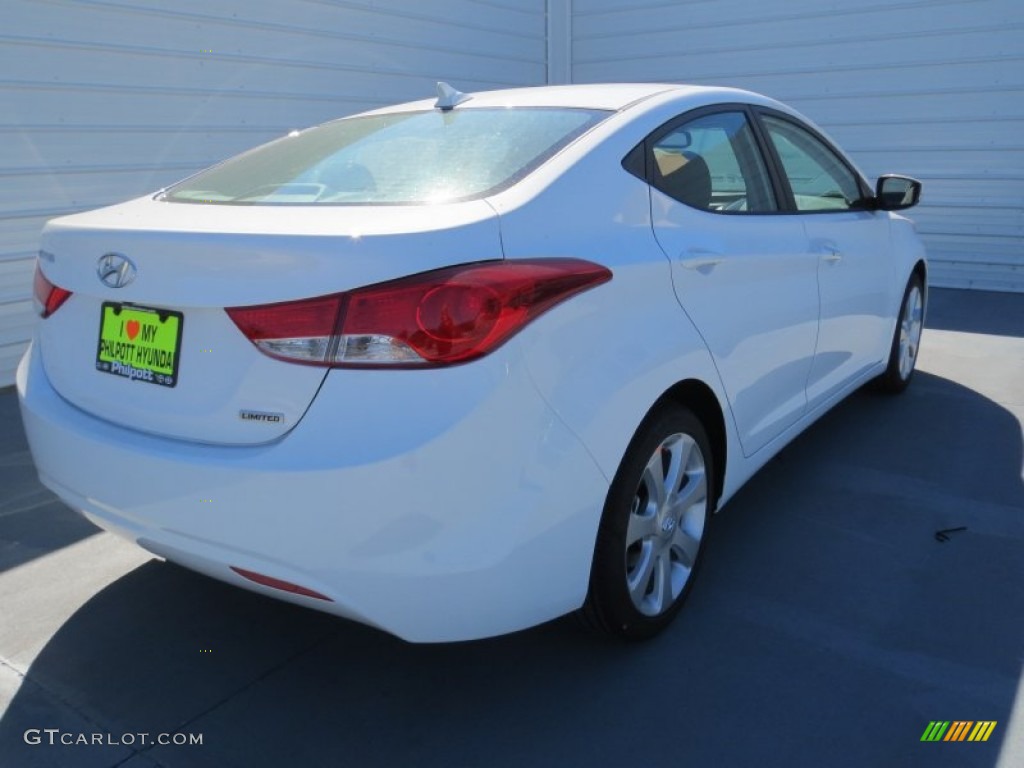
x=910 y=331
x=666 y=524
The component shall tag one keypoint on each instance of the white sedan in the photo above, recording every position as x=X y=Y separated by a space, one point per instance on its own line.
x=454 y=368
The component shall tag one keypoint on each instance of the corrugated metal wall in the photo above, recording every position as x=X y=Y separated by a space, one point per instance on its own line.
x=107 y=99
x=104 y=100
x=934 y=89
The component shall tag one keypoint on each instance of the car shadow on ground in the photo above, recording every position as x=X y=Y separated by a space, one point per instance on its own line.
x=33 y=522
x=828 y=627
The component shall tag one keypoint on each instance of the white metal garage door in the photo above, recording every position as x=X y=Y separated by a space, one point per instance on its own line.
x=931 y=88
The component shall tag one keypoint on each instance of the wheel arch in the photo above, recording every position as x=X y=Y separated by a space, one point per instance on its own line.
x=921 y=270
x=700 y=398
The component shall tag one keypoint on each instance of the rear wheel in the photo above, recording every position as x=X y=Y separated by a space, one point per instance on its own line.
x=652 y=530
x=906 y=339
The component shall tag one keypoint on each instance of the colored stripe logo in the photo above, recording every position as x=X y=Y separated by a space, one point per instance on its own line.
x=958 y=730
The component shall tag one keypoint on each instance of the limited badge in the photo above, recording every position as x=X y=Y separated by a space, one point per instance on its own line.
x=269 y=418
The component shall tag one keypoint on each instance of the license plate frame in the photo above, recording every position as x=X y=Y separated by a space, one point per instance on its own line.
x=140 y=343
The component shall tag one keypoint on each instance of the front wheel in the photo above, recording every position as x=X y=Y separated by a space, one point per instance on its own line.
x=906 y=339
x=651 y=536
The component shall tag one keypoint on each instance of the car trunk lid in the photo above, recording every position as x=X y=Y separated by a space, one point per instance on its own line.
x=189 y=263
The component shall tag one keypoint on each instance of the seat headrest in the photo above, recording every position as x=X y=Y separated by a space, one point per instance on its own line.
x=689 y=182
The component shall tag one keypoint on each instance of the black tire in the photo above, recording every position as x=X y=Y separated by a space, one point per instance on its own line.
x=897 y=376
x=661 y=563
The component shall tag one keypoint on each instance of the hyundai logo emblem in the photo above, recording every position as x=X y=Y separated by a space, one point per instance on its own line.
x=115 y=270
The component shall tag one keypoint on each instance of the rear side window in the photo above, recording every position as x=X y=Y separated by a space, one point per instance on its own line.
x=713 y=163
x=409 y=157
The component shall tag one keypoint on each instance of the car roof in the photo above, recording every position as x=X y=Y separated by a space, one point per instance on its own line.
x=610 y=96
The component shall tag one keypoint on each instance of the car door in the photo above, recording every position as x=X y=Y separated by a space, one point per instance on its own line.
x=741 y=271
x=851 y=243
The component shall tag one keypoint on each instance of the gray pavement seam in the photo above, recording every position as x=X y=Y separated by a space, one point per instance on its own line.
x=26 y=678
x=180 y=727
x=41 y=503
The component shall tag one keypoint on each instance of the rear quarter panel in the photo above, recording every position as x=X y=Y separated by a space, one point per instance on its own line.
x=603 y=358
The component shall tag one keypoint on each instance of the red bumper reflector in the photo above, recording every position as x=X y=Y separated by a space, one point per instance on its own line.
x=284 y=586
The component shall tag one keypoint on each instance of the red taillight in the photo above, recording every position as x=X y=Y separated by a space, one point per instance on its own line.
x=442 y=317
x=48 y=297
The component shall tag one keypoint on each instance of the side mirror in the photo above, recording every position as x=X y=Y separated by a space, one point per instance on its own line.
x=895 y=193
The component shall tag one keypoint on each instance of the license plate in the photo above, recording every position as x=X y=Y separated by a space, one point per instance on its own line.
x=139 y=343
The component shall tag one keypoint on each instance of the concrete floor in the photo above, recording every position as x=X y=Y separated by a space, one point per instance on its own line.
x=828 y=627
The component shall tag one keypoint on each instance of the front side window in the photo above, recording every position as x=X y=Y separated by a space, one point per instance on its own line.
x=407 y=157
x=712 y=163
x=819 y=179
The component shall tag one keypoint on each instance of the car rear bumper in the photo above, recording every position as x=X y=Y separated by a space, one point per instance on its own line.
x=438 y=507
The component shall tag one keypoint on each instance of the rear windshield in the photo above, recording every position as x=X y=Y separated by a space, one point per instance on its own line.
x=407 y=157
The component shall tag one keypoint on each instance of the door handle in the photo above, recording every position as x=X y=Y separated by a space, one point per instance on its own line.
x=701 y=262
x=828 y=249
